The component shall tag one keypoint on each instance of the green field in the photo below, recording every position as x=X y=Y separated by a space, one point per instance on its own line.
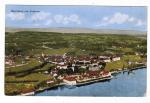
x=29 y=64
x=15 y=84
x=33 y=44
x=123 y=62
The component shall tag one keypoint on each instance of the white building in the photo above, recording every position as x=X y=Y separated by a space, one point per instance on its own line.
x=91 y=68
x=46 y=72
x=28 y=93
x=62 y=66
x=83 y=66
x=70 y=81
x=55 y=74
x=105 y=74
x=61 y=63
x=9 y=62
x=116 y=58
x=107 y=60
x=50 y=81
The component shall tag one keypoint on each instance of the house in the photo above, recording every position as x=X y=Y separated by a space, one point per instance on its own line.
x=60 y=77
x=93 y=74
x=49 y=81
x=83 y=66
x=62 y=66
x=136 y=53
x=105 y=59
x=94 y=67
x=64 y=55
x=70 y=80
x=54 y=73
x=129 y=62
x=27 y=57
x=115 y=58
x=105 y=73
x=27 y=92
x=80 y=63
x=61 y=63
x=54 y=62
x=9 y=62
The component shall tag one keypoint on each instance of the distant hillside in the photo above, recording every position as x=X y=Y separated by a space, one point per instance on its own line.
x=78 y=30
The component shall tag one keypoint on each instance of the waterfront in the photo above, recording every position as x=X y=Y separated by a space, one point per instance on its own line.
x=133 y=84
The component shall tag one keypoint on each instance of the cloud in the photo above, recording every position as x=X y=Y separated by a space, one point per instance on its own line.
x=64 y=19
x=131 y=19
x=140 y=23
x=74 y=18
x=45 y=18
x=40 y=16
x=120 y=18
x=16 y=15
x=58 y=18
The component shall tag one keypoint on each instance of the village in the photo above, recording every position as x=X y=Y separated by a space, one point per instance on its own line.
x=69 y=65
x=73 y=62
x=71 y=70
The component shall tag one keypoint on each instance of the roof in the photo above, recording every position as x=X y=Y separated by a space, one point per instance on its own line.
x=27 y=90
x=104 y=72
x=70 y=78
x=93 y=73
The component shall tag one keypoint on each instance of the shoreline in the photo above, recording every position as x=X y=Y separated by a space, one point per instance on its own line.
x=94 y=81
x=91 y=81
x=113 y=73
x=127 y=70
x=48 y=88
x=78 y=84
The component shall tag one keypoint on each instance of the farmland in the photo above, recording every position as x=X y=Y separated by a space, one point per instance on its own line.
x=20 y=45
x=34 y=43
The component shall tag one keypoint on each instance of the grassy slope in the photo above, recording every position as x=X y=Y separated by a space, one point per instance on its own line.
x=17 y=87
x=30 y=43
x=30 y=64
x=123 y=62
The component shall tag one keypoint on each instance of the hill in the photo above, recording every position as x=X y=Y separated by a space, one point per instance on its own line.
x=77 y=30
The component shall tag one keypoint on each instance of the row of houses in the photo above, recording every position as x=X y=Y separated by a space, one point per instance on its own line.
x=72 y=59
x=88 y=76
x=71 y=64
x=11 y=60
x=62 y=60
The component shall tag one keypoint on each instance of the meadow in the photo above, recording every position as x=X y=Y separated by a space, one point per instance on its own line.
x=26 y=43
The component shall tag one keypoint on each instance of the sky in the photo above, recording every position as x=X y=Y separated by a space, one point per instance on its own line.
x=96 y=17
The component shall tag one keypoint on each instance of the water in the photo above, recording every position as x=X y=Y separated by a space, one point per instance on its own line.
x=126 y=85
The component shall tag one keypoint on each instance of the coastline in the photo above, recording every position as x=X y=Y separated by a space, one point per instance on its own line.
x=127 y=70
x=91 y=81
x=48 y=88
x=94 y=81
